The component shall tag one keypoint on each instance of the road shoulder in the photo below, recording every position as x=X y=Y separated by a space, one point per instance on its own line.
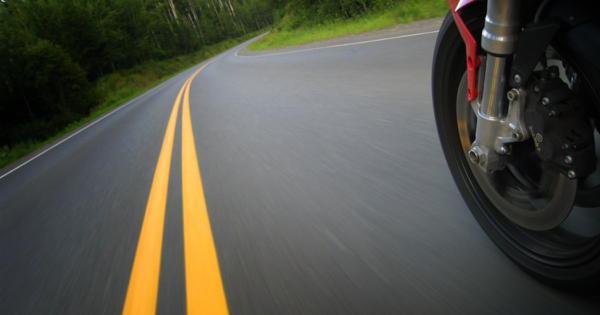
x=397 y=30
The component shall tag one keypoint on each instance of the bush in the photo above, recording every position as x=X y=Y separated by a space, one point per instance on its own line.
x=54 y=92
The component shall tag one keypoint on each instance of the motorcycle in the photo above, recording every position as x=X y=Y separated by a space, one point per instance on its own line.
x=516 y=94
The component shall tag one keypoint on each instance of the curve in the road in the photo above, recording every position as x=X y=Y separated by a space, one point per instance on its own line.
x=332 y=46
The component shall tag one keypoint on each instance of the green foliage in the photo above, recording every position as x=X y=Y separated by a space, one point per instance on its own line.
x=307 y=20
x=57 y=80
x=52 y=52
x=61 y=60
x=307 y=13
x=114 y=89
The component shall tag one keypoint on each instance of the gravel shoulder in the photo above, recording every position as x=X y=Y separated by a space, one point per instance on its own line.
x=397 y=30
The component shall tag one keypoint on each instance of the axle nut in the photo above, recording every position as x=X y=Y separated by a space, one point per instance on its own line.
x=476 y=156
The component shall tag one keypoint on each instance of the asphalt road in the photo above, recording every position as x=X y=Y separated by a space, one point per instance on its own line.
x=325 y=186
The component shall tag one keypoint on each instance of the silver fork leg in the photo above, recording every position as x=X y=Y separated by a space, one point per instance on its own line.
x=499 y=39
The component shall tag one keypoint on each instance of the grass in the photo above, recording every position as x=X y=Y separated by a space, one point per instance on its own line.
x=404 y=12
x=118 y=88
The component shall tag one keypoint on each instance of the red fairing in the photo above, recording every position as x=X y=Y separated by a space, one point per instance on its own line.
x=473 y=61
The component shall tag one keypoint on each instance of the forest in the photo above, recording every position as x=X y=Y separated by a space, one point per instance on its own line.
x=53 y=53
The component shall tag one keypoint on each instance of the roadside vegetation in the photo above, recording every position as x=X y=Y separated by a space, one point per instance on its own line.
x=305 y=21
x=118 y=88
x=64 y=60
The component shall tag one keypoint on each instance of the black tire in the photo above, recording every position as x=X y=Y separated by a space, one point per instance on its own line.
x=558 y=257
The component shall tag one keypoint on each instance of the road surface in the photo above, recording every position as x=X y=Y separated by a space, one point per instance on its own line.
x=324 y=184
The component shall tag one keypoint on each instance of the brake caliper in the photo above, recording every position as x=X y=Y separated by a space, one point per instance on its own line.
x=556 y=121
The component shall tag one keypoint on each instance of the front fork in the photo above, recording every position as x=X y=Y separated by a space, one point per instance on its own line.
x=499 y=115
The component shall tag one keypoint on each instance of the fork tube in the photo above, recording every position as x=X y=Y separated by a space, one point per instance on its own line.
x=501 y=32
x=493 y=105
x=499 y=38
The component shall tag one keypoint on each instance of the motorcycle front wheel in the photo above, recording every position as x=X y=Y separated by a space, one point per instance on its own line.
x=567 y=256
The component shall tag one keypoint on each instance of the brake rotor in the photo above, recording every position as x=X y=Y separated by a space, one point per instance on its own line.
x=536 y=203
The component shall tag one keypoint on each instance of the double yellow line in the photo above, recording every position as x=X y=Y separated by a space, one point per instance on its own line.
x=204 y=288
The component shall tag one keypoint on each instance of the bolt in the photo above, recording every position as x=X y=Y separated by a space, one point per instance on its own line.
x=552 y=114
x=545 y=101
x=572 y=174
x=565 y=146
x=568 y=159
x=474 y=156
x=513 y=95
x=517 y=78
x=517 y=136
x=504 y=149
x=536 y=88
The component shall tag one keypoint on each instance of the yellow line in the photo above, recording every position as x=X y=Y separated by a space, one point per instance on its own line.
x=202 y=269
x=143 y=284
x=205 y=294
